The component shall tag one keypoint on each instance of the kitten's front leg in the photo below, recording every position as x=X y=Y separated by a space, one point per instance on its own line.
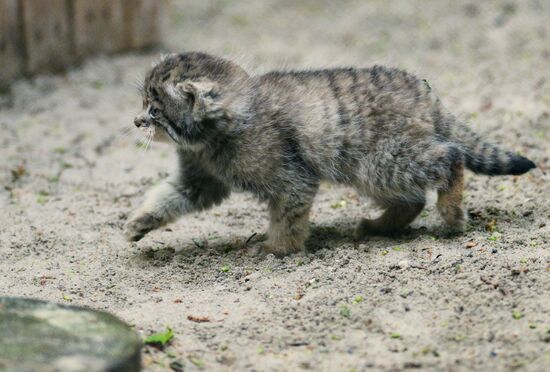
x=289 y=223
x=193 y=190
x=163 y=204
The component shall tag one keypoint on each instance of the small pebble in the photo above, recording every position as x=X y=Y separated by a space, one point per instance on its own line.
x=495 y=250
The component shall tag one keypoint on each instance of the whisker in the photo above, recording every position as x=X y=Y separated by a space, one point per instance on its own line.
x=123 y=134
x=123 y=131
x=139 y=84
x=151 y=136
x=146 y=145
x=140 y=142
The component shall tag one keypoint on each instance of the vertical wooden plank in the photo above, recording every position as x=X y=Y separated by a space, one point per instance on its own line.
x=98 y=26
x=145 y=22
x=47 y=34
x=11 y=52
x=149 y=16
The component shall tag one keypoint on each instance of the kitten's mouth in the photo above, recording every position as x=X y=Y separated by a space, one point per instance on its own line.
x=148 y=130
x=158 y=134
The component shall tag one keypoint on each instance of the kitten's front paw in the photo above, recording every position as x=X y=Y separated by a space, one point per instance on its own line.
x=136 y=228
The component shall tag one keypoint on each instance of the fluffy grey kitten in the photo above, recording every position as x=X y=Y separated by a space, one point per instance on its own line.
x=381 y=130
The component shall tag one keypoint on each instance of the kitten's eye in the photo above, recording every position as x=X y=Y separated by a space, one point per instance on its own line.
x=154 y=112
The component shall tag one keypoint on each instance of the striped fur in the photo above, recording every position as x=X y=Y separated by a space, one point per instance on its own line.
x=486 y=158
x=380 y=130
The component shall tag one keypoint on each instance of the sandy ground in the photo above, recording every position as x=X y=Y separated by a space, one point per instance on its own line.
x=480 y=301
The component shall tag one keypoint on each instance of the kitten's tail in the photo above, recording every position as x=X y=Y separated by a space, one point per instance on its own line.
x=486 y=158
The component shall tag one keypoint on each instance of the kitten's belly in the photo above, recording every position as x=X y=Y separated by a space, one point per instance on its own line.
x=333 y=153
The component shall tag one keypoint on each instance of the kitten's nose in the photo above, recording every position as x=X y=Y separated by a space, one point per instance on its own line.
x=139 y=121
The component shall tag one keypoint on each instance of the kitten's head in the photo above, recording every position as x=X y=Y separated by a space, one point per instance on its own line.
x=191 y=98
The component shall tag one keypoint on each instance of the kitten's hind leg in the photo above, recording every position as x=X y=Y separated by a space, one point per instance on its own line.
x=395 y=218
x=449 y=202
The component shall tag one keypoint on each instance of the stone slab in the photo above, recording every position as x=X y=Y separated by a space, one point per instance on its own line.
x=39 y=335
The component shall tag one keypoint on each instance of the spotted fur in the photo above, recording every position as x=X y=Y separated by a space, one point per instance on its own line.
x=380 y=130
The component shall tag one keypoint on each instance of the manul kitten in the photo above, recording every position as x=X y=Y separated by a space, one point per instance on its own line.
x=380 y=130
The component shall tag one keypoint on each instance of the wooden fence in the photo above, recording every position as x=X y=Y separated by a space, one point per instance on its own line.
x=49 y=35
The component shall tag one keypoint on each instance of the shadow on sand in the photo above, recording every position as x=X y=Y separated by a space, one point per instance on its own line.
x=322 y=237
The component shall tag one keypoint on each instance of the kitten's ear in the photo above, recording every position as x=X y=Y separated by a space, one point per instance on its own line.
x=206 y=99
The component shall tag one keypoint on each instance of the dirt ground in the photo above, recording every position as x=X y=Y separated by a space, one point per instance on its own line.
x=69 y=177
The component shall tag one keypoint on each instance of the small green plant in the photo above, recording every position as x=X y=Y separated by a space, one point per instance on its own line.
x=345 y=311
x=517 y=315
x=495 y=236
x=41 y=199
x=339 y=204
x=459 y=337
x=358 y=299
x=160 y=338
x=199 y=363
x=97 y=85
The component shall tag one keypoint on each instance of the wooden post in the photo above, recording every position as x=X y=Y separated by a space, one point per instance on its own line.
x=49 y=35
x=47 y=31
x=145 y=22
x=12 y=62
x=99 y=26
